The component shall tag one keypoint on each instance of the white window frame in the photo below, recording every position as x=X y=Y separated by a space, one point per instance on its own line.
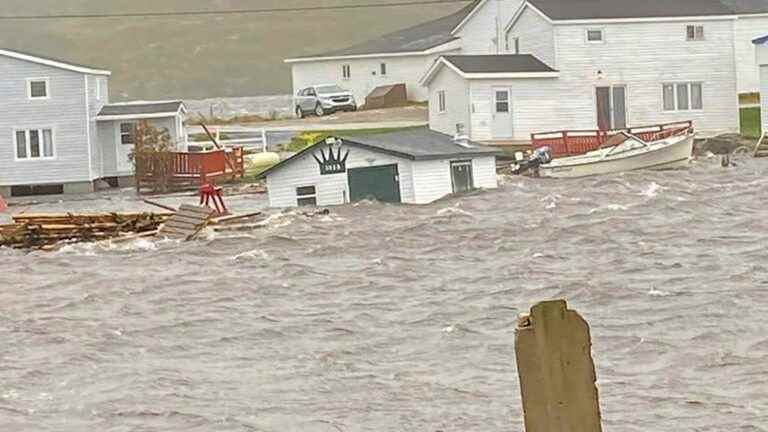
x=346 y=71
x=120 y=133
x=47 y=82
x=442 y=102
x=695 y=37
x=690 y=85
x=306 y=196
x=383 y=69
x=594 y=29
x=98 y=89
x=29 y=157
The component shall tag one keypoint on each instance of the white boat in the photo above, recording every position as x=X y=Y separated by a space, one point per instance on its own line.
x=629 y=153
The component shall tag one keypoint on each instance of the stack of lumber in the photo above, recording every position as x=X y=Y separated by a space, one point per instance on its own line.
x=186 y=223
x=44 y=231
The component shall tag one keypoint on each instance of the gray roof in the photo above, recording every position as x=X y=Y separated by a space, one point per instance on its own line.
x=128 y=109
x=598 y=9
x=413 y=39
x=414 y=144
x=511 y=63
x=747 y=6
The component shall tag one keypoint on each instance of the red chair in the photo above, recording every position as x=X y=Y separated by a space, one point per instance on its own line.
x=210 y=192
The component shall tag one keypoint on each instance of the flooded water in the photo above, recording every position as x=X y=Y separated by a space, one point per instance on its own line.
x=401 y=318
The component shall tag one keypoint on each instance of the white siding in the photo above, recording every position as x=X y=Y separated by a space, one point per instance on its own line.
x=534 y=105
x=108 y=140
x=747 y=29
x=484 y=172
x=536 y=36
x=366 y=74
x=432 y=178
x=479 y=34
x=64 y=112
x=642 y=56
x=456 y=98
x=94 y=106
x=332 y=189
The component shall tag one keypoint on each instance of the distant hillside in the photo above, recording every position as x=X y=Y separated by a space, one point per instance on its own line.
x=201 y=56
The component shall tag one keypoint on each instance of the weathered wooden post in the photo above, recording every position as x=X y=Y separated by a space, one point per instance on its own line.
x=557 y=374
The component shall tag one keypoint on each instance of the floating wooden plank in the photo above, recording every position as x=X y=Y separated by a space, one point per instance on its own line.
x=187 y=223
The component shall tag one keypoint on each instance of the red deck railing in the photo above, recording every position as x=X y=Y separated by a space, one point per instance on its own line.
x=195 y=167
x=575 y=142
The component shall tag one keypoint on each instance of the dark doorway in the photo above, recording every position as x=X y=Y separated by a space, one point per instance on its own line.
x=381 y=183
x=461 y=176
x=611 y=107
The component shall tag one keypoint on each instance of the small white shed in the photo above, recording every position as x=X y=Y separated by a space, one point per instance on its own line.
x=415 y=166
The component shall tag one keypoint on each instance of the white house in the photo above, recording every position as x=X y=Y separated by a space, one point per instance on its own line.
x=483 y=27
x=56 y=130
x=586 y=64
x=415 y=166
x=761 y=58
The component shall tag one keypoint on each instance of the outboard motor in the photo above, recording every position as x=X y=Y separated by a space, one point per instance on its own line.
x=540 y=156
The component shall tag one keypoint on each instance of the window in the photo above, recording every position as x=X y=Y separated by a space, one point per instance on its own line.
x=98 y=89
x=517 y=45
x=383 y=68
x=34 y=144
x=595 y=36
x=683 y=97
x=502 y=101
x=346 y=71
x=441 y=101
x=694 y=33
x=306 y=196
x=37 y=88
x=126 y=133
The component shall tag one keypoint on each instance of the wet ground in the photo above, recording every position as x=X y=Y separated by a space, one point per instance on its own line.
x=401 y=318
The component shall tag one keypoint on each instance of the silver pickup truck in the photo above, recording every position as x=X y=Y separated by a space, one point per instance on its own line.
x=323 y=99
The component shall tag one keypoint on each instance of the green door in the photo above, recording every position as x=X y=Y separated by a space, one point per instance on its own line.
x=381 y=183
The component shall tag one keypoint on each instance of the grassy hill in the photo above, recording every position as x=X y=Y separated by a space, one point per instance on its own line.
x=197 y=57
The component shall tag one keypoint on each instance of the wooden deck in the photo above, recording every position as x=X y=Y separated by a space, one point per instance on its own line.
x=192 y=169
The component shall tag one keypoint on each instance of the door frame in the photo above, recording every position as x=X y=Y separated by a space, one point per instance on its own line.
x=397 y=180
x=610 y=86
x=467 y=162
x=119 y=145
x=508 y=90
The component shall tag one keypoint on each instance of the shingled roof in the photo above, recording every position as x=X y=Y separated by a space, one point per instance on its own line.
x=512 y=63
x=140 y=110
x=614 y=9
x=418 y=38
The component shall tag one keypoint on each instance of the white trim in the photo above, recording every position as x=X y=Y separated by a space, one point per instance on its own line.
x=689 y=85
x=520 y=11
x=594 y=29
x=29 y=157
x=53 y=63
x=448 y=46
x=468 y=17
x=88 y=128
x=137 y=116
x=643 y=20
x=47 y=82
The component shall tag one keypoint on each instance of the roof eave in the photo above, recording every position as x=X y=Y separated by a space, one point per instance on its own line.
x=469 y=16
x=137 y=116
x=446 y=46
x=54 y=63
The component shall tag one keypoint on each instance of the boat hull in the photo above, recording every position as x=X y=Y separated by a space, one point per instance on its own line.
x=673 y=156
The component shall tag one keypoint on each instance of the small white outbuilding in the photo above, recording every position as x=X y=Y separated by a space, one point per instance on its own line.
x=415 y=166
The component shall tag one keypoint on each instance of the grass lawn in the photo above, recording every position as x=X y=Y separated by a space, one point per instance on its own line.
x=750 y=122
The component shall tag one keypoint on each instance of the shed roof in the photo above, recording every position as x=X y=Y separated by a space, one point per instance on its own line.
x=140 y=109
x=747 y=6
x=511 y=63
x=512 y=66
x=608 y=9
x=418 y=38
x=53 y=62
x=415 y=144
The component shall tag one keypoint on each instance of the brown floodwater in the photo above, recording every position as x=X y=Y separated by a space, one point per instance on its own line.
x=401 y=318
